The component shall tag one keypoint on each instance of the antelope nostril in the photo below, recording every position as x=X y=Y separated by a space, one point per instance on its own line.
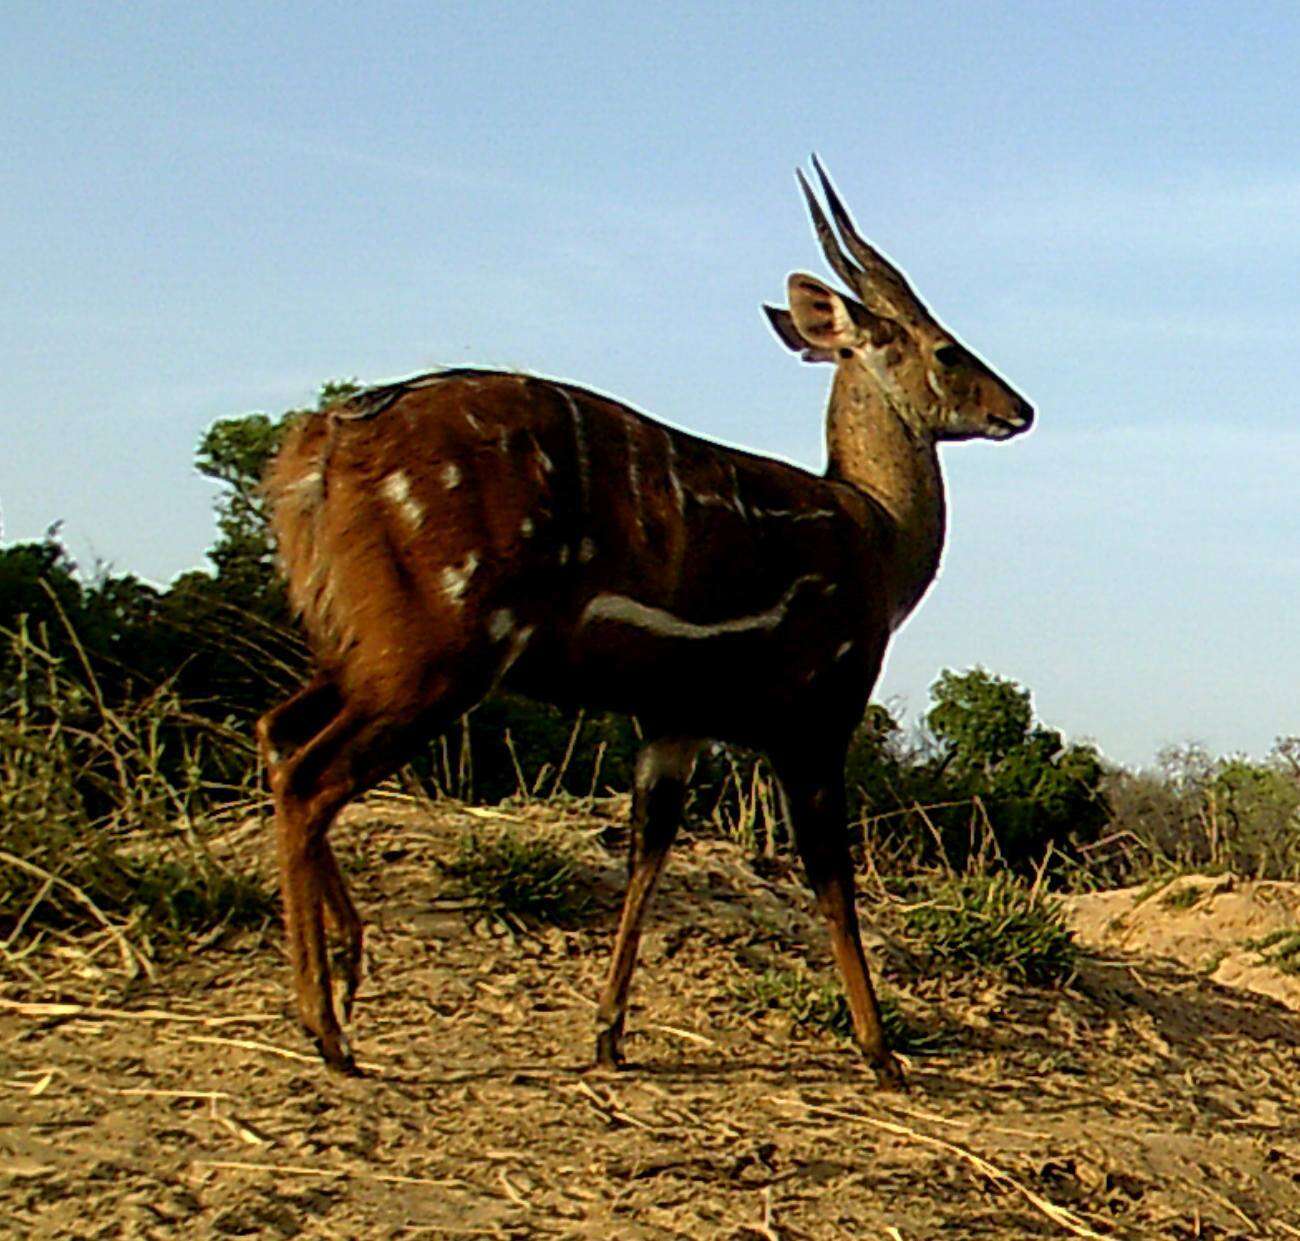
x=1026 y=412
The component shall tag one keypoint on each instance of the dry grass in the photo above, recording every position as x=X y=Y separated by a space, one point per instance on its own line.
x=106 y=819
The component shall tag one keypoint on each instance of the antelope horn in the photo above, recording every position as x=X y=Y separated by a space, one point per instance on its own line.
x=830 y=247
x=881 y=283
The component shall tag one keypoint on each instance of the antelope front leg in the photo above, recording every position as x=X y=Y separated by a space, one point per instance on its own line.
x=663 y=769
x=817 y=815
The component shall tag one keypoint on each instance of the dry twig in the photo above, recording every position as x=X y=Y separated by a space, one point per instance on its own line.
x=1057 y=1214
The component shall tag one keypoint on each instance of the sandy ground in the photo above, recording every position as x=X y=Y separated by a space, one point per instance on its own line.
x=1152 y=1097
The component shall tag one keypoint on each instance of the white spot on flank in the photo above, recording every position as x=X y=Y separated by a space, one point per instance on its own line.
x=628 y=611
x=454 y=580
x=586 y=551
x=526 y=527
x=475 y=424
x=451 y=476
x=843 y=649
x=500 y=624
x=564 y=553
x=397 y=490
x=309 y=488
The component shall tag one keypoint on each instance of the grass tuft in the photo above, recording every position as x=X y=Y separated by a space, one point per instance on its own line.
x=995 y=923
x=820 y=1005
x=1280 y=949
x=525 y=875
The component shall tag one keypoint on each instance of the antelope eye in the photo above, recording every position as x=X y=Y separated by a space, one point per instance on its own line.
x=948 y=355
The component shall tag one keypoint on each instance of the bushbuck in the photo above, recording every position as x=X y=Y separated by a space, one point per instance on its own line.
x=466 y=530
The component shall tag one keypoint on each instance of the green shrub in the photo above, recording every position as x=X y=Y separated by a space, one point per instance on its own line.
x=995 y=923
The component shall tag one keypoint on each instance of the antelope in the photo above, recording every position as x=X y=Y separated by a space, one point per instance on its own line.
x=465 y=530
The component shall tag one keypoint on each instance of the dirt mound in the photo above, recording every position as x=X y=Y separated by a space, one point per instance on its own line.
x=1141 y=1100
x=1219 y=926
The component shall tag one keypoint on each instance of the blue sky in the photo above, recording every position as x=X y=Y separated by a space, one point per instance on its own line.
x=208 y=210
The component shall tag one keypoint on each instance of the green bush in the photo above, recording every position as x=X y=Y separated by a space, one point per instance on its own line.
x=1198 y=813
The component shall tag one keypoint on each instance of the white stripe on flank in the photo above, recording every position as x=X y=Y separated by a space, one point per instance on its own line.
x=626 y=611
x=633 y=433
x=397 y=489
x=580 y=448
x=797 y=514
x=676 y=483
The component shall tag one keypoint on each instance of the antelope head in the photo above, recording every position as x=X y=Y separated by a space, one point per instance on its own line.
x=887 y=342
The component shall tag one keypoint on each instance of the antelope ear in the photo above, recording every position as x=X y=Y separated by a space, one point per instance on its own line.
x=820 y=315
x=783 y=325
x=782 y=322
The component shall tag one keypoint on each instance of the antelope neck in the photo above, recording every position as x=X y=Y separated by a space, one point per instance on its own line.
x=874 y=446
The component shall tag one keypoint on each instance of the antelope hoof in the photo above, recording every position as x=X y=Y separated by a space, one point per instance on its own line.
x=609 y=1051
x=335 y=1050
x=889 y=1072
